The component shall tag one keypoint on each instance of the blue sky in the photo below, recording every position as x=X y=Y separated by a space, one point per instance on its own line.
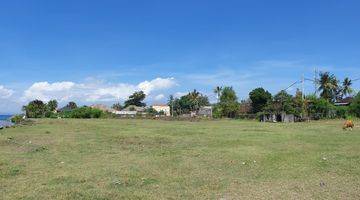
x=100 y=51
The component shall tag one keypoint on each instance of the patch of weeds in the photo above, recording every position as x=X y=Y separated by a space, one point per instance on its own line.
x=148 y=181
x=6 y=172
x=38 y=149
x=47 y=132
x=14 y=171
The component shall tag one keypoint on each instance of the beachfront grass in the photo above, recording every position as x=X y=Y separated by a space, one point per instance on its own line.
x=153 y=159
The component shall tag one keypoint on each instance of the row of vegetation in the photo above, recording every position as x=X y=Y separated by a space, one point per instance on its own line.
x=259 y=102
x=40 y=109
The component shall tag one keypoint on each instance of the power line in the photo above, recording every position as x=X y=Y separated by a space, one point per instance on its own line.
x=296 y=82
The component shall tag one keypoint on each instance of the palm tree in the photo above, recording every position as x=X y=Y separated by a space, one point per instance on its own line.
x=218 y=91
x=329 y=86
x=194 y=98
x=346 y=87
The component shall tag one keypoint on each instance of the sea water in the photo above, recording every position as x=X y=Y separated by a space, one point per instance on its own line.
x=5 y=120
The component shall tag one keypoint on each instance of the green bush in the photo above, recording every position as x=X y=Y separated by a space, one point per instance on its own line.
x=151 y=111
x=82 y=113
x=342 y=112
x=217 y=112
x=17 y=119
x=354 y=108
x=320 y=108
x=50 y=114
x=108 y=115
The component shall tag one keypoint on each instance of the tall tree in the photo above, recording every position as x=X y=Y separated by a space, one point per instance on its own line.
x=259 y=99
x=228 y=105
x=285 y=102
x=194 y=100
x=35 y=109
x=328 y=86
x=299 y=103
x=52 y=105
x=217 y=91
x=136 y=99
x=190 y=102
x=346 y=87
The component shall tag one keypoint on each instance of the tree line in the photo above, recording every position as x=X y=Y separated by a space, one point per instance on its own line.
x=40 y=109
x=260 y=101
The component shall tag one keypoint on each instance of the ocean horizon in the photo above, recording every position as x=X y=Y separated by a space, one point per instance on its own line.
x=5 y=120
x=5 y=117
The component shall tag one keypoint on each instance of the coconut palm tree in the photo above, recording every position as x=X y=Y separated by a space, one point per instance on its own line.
x=217 y=91
x=346 y=87
x=328 y=86
x=194 y=98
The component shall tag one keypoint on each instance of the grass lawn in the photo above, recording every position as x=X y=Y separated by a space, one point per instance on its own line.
x=149 y=159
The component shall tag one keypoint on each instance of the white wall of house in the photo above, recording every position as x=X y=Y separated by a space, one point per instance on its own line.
x=164 y=108
x=125 y=112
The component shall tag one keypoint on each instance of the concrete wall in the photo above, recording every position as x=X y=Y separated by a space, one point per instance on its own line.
x=165 y=109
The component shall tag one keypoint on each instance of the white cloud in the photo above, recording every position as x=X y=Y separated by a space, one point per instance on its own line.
x=93 y=90
x=5 y=93
x=46 y=91
x=159 y=97
x=109 y=92
x=156 y=84
x=180 y=94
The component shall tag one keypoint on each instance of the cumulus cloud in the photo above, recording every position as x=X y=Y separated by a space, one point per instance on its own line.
x=5 y=93
x=46 y=91
x=156 y=84
x=93 y=92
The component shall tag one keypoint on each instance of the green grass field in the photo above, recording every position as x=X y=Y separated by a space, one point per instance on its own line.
x=153 y=159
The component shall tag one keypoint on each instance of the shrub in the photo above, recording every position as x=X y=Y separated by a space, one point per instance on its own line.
x=217 y=112
x=151 y=111
x=342 y=112
x=320 y=108
x=50 y=114
x=354 y=107
x=85 y=113
x=17 y=119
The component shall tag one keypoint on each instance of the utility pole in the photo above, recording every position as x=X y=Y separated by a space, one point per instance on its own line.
x=315 y=81
x=302 y=86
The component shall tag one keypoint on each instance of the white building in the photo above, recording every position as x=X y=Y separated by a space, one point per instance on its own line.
x=162 y=107
x=125 y=113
